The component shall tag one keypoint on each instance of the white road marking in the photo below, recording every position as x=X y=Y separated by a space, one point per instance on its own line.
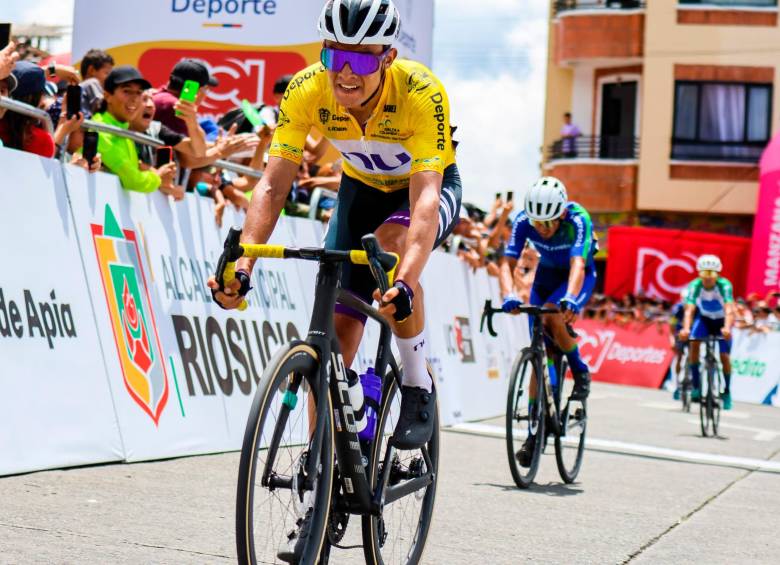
x=639 y=449
x=676 y=405
x=760 y=433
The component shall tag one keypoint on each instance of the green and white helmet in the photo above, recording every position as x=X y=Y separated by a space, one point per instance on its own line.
x=709 y=263
x=546 y=199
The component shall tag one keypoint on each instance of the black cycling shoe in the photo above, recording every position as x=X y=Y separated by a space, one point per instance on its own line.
x=581 y=388
x=415 y=423
x=291 y=549
x=526 y=452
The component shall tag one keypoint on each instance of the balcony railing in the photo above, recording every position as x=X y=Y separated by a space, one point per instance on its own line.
x=594 y=147
x=731 y=3
x=568 y=5
x=717 y=151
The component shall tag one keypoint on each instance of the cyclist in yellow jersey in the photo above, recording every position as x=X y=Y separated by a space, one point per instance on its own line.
x=390 y=120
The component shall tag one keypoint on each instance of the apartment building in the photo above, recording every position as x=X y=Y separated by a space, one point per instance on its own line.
x=675 y=100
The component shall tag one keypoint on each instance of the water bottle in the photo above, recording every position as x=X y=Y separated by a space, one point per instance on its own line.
x=372 y=396
x=364 y=394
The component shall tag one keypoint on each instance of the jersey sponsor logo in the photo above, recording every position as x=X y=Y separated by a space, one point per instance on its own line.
x=299 y=80
x=324 y=115
x=337 y=128
x=283 y=119
x=386 y=129
x=242 y=74
x=441 y=118
x=337 y=118
x=390 y=108
x=374 y=162
x=418 y=81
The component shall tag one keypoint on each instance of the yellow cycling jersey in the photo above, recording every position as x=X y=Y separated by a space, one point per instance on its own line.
x=408 y=132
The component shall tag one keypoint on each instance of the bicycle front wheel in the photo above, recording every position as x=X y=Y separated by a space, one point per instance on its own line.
x=271 y=500
x=705 y=411
x=524 y=417
x=399 y=534
x=570 y=444
x=714 y=397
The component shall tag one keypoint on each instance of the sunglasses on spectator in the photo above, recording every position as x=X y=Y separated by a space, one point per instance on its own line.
x=708 y=273
x=544 y=224
x=360 y=63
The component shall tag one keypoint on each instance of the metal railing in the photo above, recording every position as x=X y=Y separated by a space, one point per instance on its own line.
x=594 y=147
x=154 y=142
x=27 y=110
x=560 y=6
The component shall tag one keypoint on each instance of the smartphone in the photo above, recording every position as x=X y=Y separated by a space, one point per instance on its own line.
x=189 y=92
x=5 y=34
x=164 y=156
x=90 y=146
x=74 y=101
x=498 y=195
x=509 y=196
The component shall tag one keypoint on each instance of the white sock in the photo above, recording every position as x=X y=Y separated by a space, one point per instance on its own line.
x=412 y=352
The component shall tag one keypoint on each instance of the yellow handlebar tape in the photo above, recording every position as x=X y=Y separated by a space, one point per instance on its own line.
x=263 y=251
x=358 y=257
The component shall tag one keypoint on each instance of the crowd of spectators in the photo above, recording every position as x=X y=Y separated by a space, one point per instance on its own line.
x=121 y=97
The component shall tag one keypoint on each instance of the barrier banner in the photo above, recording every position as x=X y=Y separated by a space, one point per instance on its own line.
x=755 y=367
x=660 y=263
x=247 y=44
x=55 y=403
x=636 y=354
x=764 y=273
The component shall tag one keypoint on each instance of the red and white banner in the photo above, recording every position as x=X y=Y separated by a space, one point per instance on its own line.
x=636 y=354
x=764 y=273
x=660 y=263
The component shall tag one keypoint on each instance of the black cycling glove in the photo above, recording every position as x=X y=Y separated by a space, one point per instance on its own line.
x=402 y=301
x=242 y=277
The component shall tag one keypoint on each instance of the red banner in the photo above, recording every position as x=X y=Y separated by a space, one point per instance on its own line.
x=636 y=354
x=660 y=263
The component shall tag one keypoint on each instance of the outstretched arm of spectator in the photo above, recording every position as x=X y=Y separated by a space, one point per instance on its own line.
x=495 y=235
x=244 y=183
x=222 y=149
x=67 y=73
x=195 y=144
x=8 y=58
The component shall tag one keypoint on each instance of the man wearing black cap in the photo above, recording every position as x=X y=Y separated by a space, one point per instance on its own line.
x=122 y=101
x=165 y=99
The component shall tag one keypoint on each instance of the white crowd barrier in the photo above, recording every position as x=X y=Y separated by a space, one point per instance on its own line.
x=111 y=348
x=755 y=367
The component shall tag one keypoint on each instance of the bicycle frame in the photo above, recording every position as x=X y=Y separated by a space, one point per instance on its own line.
x=538 y=347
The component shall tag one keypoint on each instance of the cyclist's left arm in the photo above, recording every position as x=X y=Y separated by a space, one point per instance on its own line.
x=729 y=306
x=580 y=252
x=424 y=190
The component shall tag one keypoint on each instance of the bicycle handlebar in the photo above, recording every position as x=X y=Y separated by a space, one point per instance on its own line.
x=533 y=311
x=382 y=263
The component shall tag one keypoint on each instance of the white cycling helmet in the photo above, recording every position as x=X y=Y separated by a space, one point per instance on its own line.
x=709 y=263
x=360 y=22
x=546 y=199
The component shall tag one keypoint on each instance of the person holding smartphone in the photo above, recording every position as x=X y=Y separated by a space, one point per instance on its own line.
x=167 y=98
x=124 y=89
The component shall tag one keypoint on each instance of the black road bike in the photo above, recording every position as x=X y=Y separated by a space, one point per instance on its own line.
x=301 y=456
x=709 y=408
x=544 y=415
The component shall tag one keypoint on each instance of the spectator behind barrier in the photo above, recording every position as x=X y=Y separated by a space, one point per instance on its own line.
x=95 y=68
x=8 y=58
x=165 y=100
x=22 y=132
x=123 y=90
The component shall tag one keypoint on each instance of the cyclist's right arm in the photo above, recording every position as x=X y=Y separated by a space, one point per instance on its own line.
x=690 y=308
x=506 y=280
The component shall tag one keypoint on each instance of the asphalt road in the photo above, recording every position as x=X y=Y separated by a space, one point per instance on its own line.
x=651 y=491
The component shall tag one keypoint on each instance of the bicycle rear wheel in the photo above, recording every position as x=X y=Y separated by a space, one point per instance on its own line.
x=524 y=417
x=570 y=445
x=399 y=534
x=270 y=498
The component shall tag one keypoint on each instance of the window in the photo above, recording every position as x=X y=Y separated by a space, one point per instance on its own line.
x=721 y=121
x=732 y=3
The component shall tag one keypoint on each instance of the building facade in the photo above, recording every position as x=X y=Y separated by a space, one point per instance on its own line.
x=675 y=101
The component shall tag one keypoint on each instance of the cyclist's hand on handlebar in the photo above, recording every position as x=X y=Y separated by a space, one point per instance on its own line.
x=726 y=333
x=233 y=295
x=569 y=308
x=684 y=334
x=397 y=302
x=511 y=303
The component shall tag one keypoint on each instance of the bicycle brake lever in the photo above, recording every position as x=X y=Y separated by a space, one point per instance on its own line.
x=487 y=314
x=231 y=253
x=375 y=256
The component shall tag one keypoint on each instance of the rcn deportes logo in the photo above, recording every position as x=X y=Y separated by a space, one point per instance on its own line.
x=217 y=8
x=130 y=312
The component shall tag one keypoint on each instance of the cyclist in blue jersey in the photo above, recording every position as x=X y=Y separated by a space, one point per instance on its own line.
x=676 y=323
x=562 y=234
x=709 y=310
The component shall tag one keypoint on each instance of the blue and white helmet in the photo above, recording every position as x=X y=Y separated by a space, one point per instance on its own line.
x=360 y=22
x=546 y=199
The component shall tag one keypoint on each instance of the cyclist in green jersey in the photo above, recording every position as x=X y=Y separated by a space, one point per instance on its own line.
x=709 y=311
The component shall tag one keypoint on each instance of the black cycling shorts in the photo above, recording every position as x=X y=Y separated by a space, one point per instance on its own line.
x=361 y=209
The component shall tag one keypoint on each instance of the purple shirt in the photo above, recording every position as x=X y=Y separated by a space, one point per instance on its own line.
x=568 y=142
x=164 y=101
